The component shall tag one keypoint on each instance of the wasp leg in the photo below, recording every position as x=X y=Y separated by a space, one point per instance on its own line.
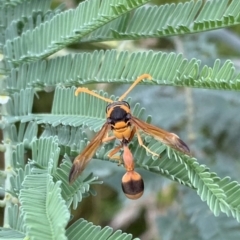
x=116 y=158
x=107 y=138
x=132 y=134
x=113 y=151
x=142 y=145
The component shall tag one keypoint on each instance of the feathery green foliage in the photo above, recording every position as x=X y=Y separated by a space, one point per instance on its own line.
x=170 y=19
x=40 y=192
x=166 y=69
x=72 y=24
x=94 y=232
x=39 y=147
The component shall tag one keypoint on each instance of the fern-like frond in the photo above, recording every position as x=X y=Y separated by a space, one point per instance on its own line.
x=25 y=134
x=221 y=76
x=45 y=149
x=218 y=193
x=73 y=194
x=41 y=193
x=18 y=158
x=83 y=230
x=12 y=3
x=17 y=12
x=17 y=179
x=16 y=225
x=8 y=233
x=231 y=189
x=38 y=191
x=30 y=22
x=111 y=66
x=72 y=140
x=4 y=3
x=169 y=20
x=66 y=28
x=19 y=107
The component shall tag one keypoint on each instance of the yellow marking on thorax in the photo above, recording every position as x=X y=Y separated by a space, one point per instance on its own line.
x=122 y=130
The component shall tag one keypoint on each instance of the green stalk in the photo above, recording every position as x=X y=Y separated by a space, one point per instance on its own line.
x=6 y=147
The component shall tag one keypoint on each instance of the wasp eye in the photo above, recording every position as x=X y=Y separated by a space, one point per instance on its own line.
x=107 y=107
x=128 y=116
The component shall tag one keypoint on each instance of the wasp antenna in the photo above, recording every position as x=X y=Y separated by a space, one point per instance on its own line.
x=139 y=79
x=86 y=90
x=132 y=185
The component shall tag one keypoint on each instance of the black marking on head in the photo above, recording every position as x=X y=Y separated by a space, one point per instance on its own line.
x=118 y=114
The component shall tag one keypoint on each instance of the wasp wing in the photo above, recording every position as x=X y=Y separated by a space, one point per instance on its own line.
x=86 y=155
x=170 y=139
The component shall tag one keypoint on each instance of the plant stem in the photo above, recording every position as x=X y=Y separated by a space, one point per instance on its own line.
x=7 y=146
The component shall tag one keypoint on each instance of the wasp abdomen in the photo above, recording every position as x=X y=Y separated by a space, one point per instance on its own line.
x=132 y=185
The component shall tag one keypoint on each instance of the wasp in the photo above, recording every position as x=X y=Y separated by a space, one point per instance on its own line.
x=124 y=126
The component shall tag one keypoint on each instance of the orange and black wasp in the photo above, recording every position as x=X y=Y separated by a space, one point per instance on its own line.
x=124 y=126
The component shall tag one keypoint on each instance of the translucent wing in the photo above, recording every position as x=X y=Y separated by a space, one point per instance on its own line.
x=170 y=139
x=86 y=155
